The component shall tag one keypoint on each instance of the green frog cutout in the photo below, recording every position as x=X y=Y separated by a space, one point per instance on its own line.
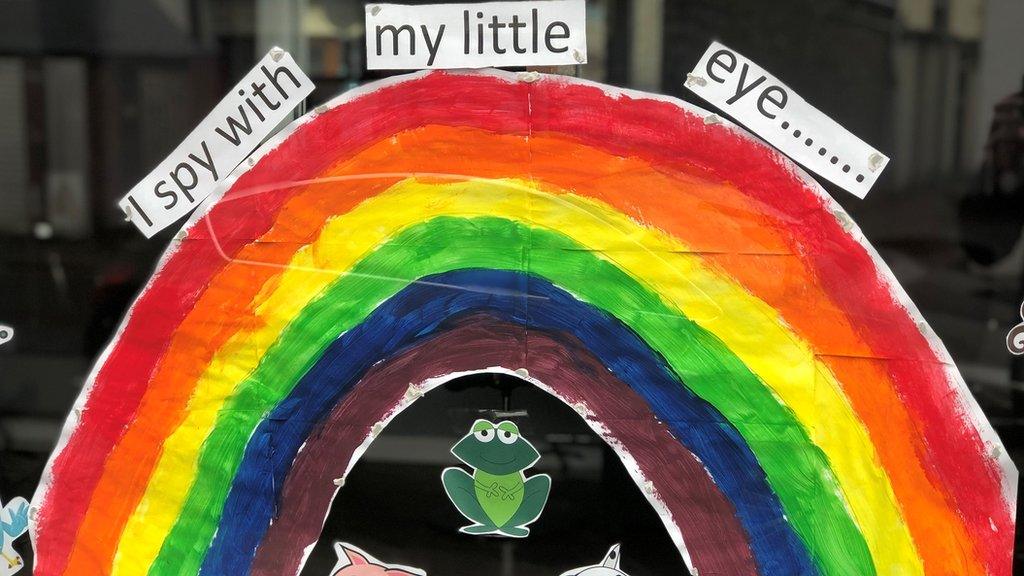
x=498 y=497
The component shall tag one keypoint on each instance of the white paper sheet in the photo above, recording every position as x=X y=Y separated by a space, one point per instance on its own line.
x=773 y=111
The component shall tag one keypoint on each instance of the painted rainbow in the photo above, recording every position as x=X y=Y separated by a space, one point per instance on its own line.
x=706 y=307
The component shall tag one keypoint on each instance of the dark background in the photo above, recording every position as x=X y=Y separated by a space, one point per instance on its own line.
x=96 y=92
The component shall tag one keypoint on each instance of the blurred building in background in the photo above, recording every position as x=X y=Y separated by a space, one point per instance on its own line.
x=97 y=91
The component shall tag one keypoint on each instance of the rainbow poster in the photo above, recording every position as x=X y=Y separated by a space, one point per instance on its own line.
x=697 y=298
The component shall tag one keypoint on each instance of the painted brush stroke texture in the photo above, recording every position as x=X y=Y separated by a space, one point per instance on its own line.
x=700 y=230
x=477 y=342
x=498 y=244
x=405 y=321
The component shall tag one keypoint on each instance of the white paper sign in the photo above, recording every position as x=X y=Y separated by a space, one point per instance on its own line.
x=244 y=118
x=774 y=112
x=538 y=33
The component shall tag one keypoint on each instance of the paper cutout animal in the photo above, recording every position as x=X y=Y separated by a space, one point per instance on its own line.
x=355 y=562
x=497 y=497
x=608 y=567
x=13 y=523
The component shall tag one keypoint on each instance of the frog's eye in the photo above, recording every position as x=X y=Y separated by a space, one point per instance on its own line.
x=484 y=435
x=508 y=432
x=483 y=430
x=507 y=437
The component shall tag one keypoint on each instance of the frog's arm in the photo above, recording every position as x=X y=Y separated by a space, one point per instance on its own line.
x=501 y=490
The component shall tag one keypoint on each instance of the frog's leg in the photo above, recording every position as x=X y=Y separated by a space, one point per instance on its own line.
x=459 y=486
x=535 y=496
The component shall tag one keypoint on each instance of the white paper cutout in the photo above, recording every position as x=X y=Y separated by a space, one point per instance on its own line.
x=608 y=567
x=773 y=111
x=13 y=523
x=250 y=112
x=353 y=561
x=476 y=35
x=497 y=497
